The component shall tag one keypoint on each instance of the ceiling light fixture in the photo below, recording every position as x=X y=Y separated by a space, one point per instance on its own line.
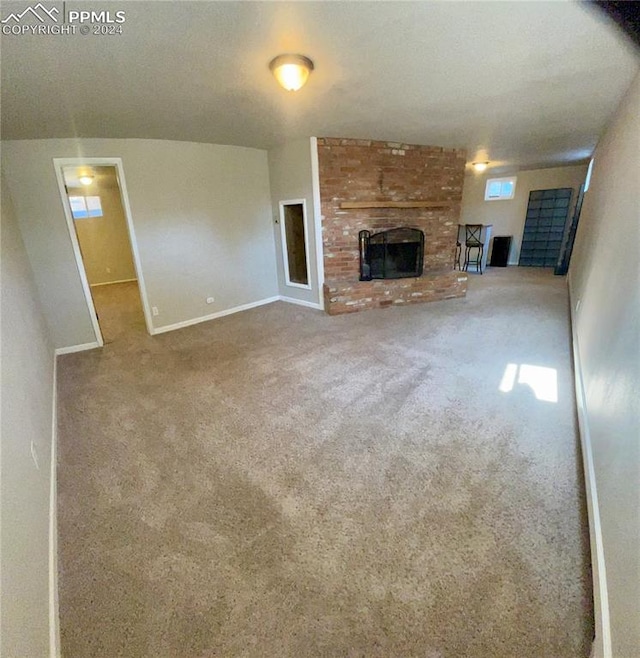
x=86 y=179
x=291 y=71
x=480 y=166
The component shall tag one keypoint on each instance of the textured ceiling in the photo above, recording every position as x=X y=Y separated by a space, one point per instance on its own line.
x=518 y=83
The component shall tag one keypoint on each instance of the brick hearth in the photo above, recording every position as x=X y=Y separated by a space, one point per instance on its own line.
x=361 y=171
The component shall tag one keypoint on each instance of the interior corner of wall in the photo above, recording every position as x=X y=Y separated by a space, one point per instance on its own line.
x=54 y=616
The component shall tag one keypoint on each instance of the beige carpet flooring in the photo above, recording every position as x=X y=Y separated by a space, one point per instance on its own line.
x=119 y=310
x=279 y=483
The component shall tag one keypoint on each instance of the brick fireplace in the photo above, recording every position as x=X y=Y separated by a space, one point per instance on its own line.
x=377 y=186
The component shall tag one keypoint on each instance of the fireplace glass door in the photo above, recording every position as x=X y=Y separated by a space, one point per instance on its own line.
x=394 y=254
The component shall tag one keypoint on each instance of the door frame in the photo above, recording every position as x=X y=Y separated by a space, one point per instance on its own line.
x=59 y=164
x=283 y=238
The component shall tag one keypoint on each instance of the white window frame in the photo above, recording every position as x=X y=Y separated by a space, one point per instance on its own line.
x=283 y=237
x=84 y=197
x=506 y=179
x=587 y=180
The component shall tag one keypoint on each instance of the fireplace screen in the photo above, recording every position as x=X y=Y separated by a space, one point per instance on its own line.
x=393 y=254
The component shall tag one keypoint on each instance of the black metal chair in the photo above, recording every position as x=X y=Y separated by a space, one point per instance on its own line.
x=473 y=240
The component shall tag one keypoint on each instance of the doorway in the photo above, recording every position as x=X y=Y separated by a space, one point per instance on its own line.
x=101 y=231
x=295 y=247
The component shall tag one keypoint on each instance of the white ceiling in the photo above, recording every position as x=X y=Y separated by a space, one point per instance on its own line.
x=521 y=84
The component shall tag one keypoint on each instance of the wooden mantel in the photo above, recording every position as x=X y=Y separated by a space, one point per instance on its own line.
x=346 y=205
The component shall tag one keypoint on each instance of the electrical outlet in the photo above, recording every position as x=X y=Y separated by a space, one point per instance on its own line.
x=154 y=310
x=108 y=270
x=210 y=300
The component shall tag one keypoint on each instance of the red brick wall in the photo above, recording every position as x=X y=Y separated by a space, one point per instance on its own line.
x=349 y=296
x=364 y=170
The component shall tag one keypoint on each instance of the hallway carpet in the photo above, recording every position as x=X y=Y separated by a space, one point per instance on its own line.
x=119 y=310
x=283 y=484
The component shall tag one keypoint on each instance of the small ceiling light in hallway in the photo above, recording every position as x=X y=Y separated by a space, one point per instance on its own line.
x=291 y=71
x=86 y=178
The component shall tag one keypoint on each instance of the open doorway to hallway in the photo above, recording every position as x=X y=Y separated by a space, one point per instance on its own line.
x=101 y=231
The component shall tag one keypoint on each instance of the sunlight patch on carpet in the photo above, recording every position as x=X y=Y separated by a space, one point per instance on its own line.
x=541 y=380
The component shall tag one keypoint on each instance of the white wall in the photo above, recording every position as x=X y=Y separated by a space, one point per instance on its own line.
x=507 y=216
x=27 y=400
x=201 y=215
x=605 y=281
x=291 y=177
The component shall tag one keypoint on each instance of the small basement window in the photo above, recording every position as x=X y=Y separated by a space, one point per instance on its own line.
x=83 y=207
x=500 y=188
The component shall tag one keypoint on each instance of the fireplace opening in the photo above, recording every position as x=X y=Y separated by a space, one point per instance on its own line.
x=394 y=254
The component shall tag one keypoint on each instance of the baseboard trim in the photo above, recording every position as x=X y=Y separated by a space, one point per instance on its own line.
x=301 y=302
x=111 y=283
x=213 y=316
x=77 y=348
x=602 y=644
x=54 y=616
